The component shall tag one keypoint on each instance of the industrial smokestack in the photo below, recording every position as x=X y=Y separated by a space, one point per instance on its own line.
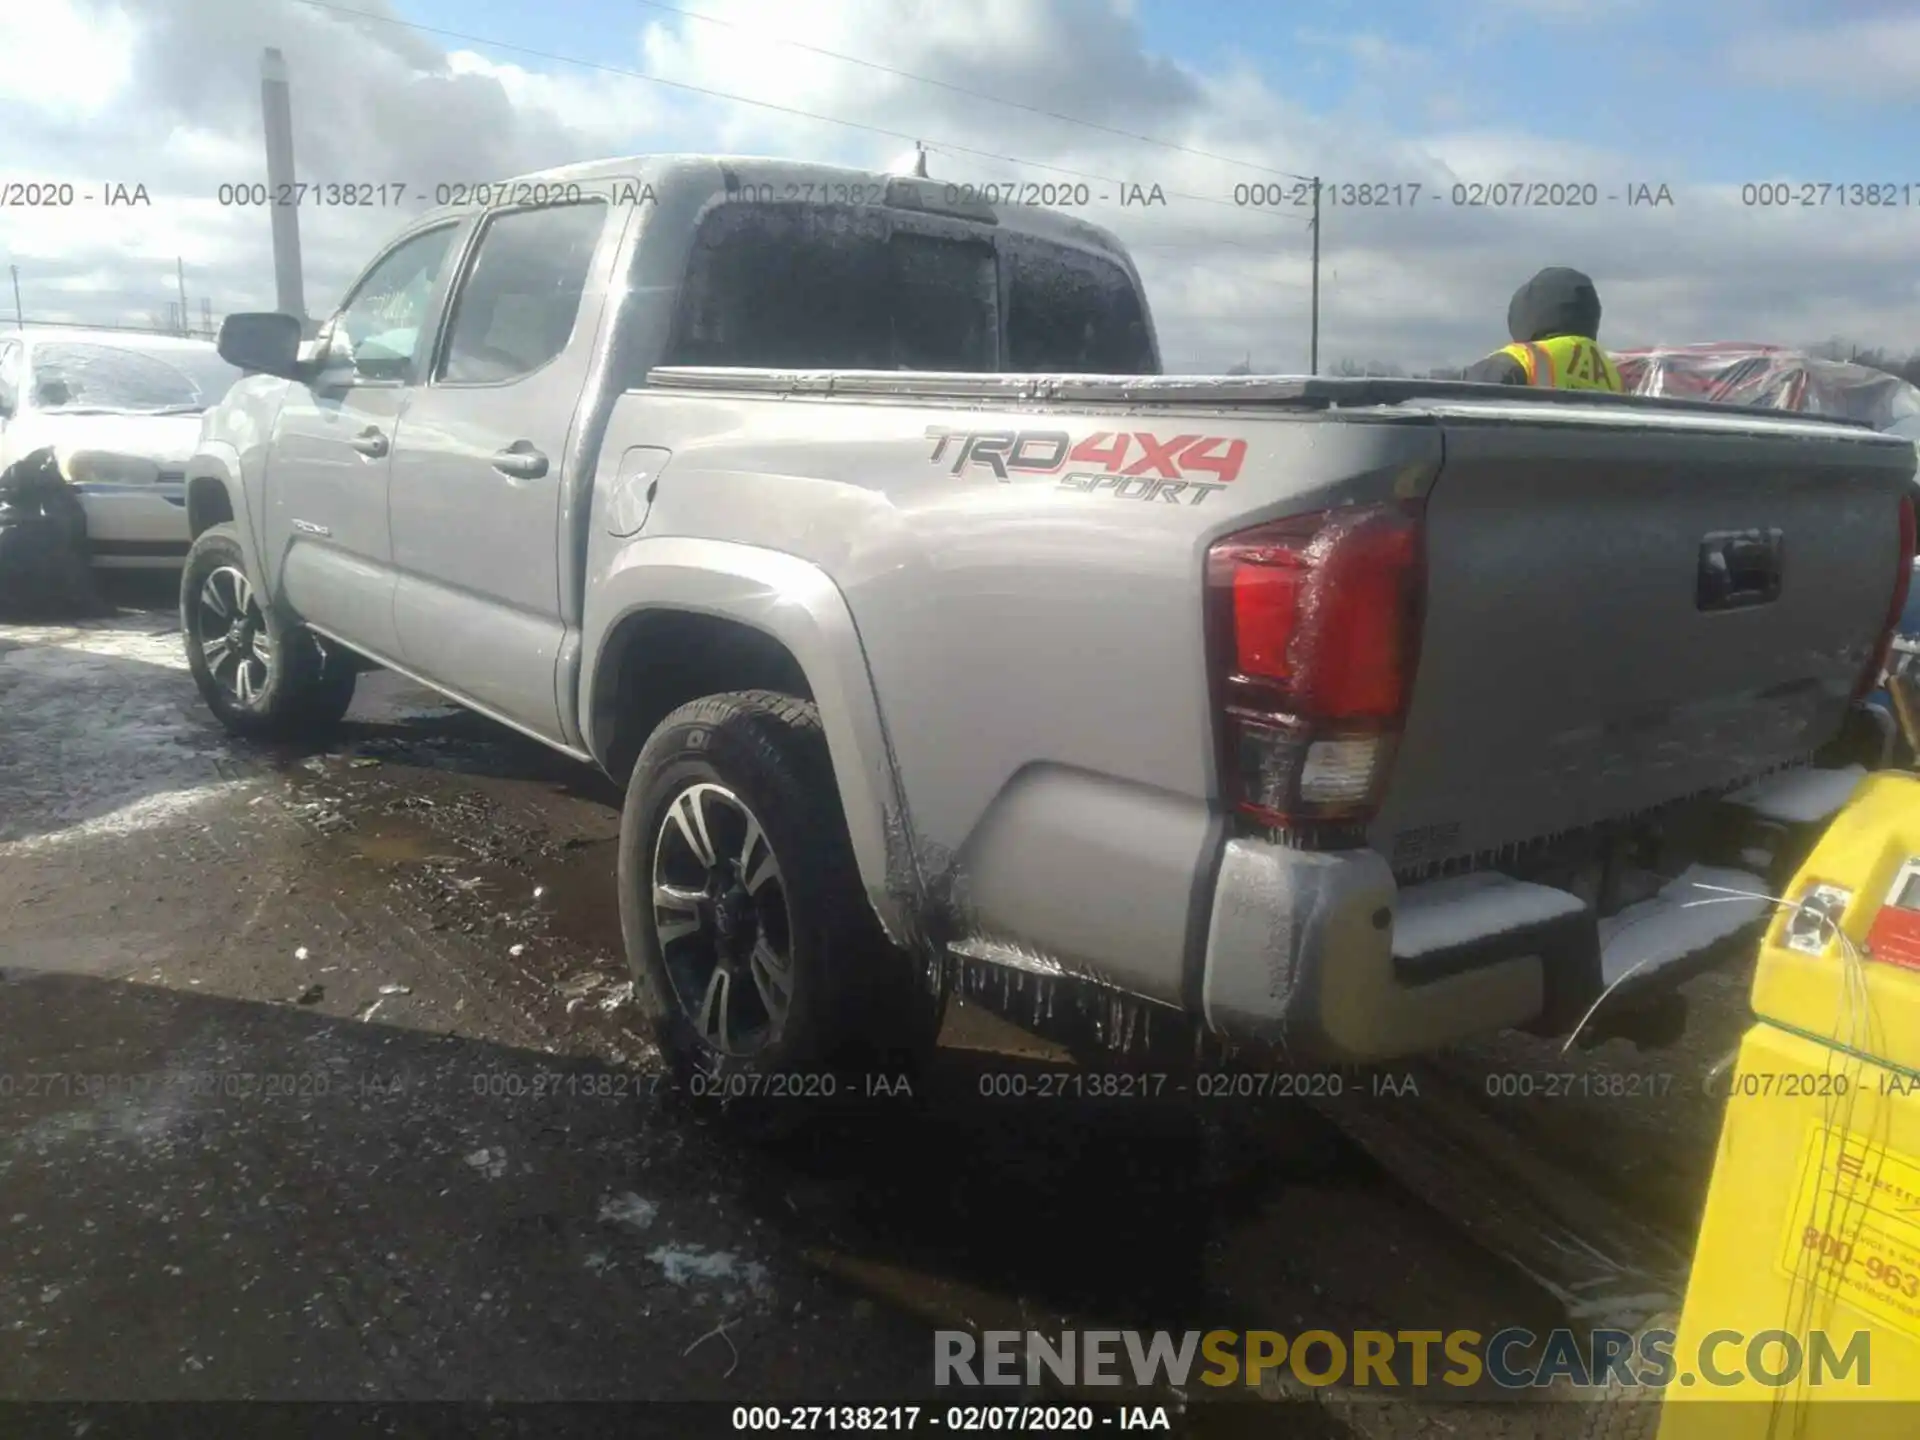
x=277 y=112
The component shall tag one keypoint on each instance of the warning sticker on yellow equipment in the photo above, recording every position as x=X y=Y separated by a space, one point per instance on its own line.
x=1854 y=1229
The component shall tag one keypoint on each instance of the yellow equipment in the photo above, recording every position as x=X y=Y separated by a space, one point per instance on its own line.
x=1812 y=1221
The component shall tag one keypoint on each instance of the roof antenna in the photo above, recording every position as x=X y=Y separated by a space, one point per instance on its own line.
x=914 y=163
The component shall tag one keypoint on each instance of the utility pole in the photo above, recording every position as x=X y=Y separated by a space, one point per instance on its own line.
x=19 y=315
x=180 y=274
x=276 y=111
x=1313 y=351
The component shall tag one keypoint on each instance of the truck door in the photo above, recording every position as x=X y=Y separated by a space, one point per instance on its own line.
x=477 y=486
x=328 y=547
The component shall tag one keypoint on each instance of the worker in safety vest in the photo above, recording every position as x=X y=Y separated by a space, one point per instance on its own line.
x=1555 y=323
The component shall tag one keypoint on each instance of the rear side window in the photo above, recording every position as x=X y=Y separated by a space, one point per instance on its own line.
x=1072 y=312
x=517 y=307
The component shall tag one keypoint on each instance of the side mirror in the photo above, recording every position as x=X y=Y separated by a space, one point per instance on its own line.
x=263 y=341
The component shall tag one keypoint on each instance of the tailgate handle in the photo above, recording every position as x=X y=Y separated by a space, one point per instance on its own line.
x=1739 y=568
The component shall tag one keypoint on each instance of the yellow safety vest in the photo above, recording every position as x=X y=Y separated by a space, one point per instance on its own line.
x=1566 y=362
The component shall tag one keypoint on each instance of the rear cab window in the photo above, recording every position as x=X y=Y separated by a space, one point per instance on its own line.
x=847 y=287
x=1072 y=312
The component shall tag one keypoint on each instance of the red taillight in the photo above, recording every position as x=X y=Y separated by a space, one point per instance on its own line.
x=1902 y=586
x=1316 y=633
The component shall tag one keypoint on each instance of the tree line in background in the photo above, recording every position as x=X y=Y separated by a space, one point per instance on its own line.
x=1907 y=367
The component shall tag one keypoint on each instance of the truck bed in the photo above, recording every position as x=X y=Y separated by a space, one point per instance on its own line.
x=1567 y=674
x=1026 y=561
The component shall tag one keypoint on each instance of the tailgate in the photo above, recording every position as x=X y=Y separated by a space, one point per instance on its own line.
x=1623 y=615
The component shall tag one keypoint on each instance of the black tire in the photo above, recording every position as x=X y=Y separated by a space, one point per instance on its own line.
x=854 y=1004
x=295 y=688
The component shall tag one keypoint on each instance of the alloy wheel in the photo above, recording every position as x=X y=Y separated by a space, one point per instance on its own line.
x=720 y=913
x=232 y=633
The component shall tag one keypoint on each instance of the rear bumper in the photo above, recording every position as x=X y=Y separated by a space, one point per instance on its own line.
x=1324 y=956
x=1300 y=954
x=136 y=526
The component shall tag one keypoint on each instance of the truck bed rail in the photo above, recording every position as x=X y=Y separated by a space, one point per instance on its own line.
x=1278 y=392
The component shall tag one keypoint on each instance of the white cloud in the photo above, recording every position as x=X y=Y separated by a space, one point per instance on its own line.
x=1873 y=57
x=62 y=61
x=169 y=96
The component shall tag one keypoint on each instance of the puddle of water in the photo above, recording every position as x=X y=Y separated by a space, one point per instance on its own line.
x=472 y=865
x=579 y=896
x=398 y=842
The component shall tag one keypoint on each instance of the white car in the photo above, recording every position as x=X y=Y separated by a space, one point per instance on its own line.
x=122 y=413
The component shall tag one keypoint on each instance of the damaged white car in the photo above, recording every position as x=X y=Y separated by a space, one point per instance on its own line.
x=122 y=412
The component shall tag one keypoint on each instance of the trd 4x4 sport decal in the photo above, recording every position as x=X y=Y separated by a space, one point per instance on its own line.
x=1129 y=465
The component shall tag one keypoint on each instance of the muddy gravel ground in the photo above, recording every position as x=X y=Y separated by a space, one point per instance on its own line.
x=320 y=1079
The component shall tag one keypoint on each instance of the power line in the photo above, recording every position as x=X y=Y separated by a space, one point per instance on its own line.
x=976 y=94
x=713 y=94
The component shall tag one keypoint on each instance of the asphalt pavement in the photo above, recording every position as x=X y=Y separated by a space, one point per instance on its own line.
x=320 y=1080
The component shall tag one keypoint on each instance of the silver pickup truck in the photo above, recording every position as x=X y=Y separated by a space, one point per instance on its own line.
x=848 y=522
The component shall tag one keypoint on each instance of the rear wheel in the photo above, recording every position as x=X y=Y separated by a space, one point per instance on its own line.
x=755 y=953
x=262 y=677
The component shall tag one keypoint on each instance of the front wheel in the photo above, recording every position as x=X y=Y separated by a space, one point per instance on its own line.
x=262 y=677
x=755 y=952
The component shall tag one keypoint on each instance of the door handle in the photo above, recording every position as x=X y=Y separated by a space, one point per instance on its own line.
x=520 y=461
x=370 y=442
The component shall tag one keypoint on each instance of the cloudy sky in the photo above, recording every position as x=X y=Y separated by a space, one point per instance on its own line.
x=1210 y=100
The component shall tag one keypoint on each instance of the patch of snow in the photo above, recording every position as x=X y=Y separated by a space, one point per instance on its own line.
x=490 y=1163
x=100 y=719
x=579 y=987
x=685 y=1264
x=1690 y=914
x=51 y=646
x=1801 y=797
x=628 y=1209
x=148 y=813
x=1463 y=908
